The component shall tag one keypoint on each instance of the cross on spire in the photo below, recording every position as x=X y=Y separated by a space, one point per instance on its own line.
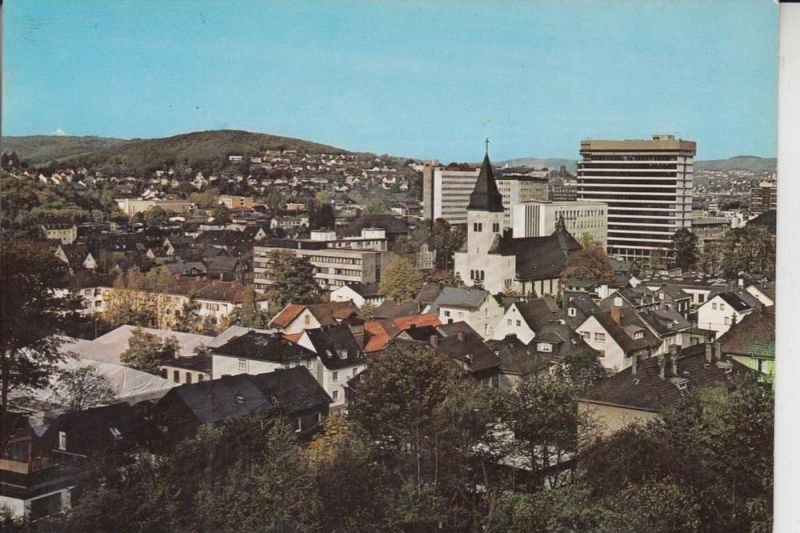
x=487 y=145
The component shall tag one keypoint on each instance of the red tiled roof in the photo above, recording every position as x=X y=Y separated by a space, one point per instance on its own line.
x=380 y=332
x=287 y=315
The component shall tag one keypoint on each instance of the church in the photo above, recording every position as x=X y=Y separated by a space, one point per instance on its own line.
x=492 y=259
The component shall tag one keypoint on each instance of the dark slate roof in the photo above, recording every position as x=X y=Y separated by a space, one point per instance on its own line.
x=292 y=389
x=429 y=292
x=264 y=347
x=469 y=351
x=538 y=312
x=454 y=328
x=217 y=399
x=336 y=346
x=221 y=263
x=753 y=336
x=199 y=363
x=735 y=301
x=584 y=307
x=366 y=290
x=538 y=257
x=485 y=196
x=518 y=359
x=647 y=391
x=665 y=322
x=469 y=298
x=767 y=220
x=93 y=430
x=621 y=332
x=392 y=309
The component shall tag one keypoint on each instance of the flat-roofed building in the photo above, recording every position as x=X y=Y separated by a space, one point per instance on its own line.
x=446 y=190
x=333 y=267
x=764 y=197
x=647 y=185
x=581 y=219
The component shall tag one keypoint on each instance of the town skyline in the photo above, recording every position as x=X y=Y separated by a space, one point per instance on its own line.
x=412 y=89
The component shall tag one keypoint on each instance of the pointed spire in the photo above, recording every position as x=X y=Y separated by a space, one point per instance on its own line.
x=485 y=196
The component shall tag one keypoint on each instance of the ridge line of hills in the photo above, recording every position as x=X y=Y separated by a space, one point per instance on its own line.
x=210 y=148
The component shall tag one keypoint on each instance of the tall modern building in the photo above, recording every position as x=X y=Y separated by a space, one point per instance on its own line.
x=764 y=197
x=581 y=219
x=446 y=190
x=647 y=185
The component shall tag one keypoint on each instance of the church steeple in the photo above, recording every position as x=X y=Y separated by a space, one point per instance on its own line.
x=485 y=196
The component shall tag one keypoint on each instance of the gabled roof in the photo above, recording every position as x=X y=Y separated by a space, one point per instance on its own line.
x=327 y=314
x=336 y=346
x=93 y=430
x=469 y=351
x=390 y=223
x=753 y=336
x=381 y=331
x=538 y=311
x=627 y=317
x=429 y=292
x=646 y=391
x=665 y=322
x=538 y=257
x=736 y=301
x=470 y=298
x=293 y=389
x=217 y=399
x=264 y=347
x=485 y=196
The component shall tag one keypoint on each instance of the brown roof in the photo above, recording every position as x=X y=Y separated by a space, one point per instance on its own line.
x=619 y=331
x=646 y=391
x=754 y=335
x=327 y=314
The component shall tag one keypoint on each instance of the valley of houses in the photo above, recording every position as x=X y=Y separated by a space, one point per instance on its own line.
x=513 y=318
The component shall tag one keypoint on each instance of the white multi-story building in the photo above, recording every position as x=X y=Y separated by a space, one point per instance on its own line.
x=446 y=191
x=333 y=267
x=582 y=219
x=647 y=185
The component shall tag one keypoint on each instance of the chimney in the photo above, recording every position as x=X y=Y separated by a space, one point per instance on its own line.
x=662 y=364
x=435 y=341
x=718 y=350
x=461 y=336
x=616 y=314
x=709 y=352
x=635 y=365
x=674 y=353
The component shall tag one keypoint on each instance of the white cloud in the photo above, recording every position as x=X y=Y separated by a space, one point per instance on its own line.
x=59 y=132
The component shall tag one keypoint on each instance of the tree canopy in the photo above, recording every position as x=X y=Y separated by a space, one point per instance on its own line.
x=400 y=281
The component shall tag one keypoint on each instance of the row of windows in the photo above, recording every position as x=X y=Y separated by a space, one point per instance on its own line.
x=654 y=190
x=477 y=275
x=599 y=336
x=592 y=173
x=621 y=157
x=663 y=166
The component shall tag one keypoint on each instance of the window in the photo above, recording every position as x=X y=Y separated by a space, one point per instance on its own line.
x=509 y=321
x=572 y=311
x=727 y=321
x=188 y=377
x=62 y=440
x=544 y=347
x=447 y=313
x=335 y=395
x=336 y=376
x=242 y=364
x=721 y=307
x=586 y=335
x=714 y=306
x=519 y=322
x=477 y=227
x=600 y=336
x=639 y=335
x=176 y=376
x=200 y=377
x=496 y=227
x=307 y=319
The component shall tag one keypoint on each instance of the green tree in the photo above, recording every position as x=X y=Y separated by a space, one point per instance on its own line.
x=685 y=245
x=77 y=389
x=31 y=314
x=251 y=315
x=292 y=280
x=146 y=350
x=749 y=249
x=446 y=240
x=400 y=281
x=155 y=216
x=221 y=214
x=376 y=206
x=588 y=263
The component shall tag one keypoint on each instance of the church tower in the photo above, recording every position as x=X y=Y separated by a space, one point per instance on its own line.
x=484 y=212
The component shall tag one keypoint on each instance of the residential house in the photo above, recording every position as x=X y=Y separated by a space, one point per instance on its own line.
x=66 y=233
x=751 y=342
x=296 y=318
x=724 y=309
x=620 y=336
x=359 y=293
x=183 y=370
x=639 y=393
x=476 y=307
x=524 y=319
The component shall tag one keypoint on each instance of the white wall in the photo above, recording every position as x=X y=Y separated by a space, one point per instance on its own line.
x=613 y=357
x=512 y=323
x=717 y=315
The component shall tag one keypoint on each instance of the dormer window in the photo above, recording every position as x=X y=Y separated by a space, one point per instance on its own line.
x=638 y=335
x=617 y=301
x=545 y=347
x=572 y=311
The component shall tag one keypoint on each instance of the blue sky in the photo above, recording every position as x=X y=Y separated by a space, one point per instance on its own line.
x=419 y=79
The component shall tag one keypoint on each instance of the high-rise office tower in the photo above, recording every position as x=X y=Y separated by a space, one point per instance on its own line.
x=647 y=185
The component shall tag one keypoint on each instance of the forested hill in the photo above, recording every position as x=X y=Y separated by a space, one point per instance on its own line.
x=205 y=150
